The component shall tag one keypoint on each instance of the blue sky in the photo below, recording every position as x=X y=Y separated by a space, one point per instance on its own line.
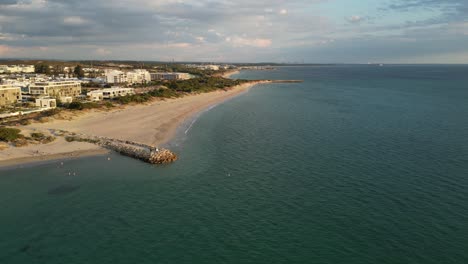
x=314 y=31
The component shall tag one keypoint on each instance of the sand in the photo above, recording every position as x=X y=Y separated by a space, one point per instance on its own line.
x=154 y=123
x=229 y=73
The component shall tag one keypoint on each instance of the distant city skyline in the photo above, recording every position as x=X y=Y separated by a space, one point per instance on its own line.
x=302 y=31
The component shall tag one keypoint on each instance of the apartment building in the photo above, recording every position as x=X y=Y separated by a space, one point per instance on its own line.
x=115 y=76
x=170 y=76
x=138 y=76
x=109 y=93
x=9 y=95
x=61 y=89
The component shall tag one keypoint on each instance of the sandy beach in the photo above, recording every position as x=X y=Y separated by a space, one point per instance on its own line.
x=154 y=123
x=230 y=73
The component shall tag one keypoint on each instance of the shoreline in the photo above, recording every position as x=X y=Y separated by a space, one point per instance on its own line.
x=156 y=124
x=230 y=73
x=45 y=159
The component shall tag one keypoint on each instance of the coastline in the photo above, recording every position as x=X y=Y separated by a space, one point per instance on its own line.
x=154 y=124
x=43 y=159
x=230 y=73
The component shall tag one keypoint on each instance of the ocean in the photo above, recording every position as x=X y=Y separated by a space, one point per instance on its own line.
x=357 y=164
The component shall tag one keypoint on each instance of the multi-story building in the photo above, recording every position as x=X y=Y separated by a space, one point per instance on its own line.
x=138 y=76
x=16 y=68
x=109 y=93
x=60 y=90
x=9 y=95
x=171 y=76
x=115 y=76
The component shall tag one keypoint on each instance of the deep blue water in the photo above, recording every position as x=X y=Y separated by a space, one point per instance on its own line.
x=358 y=164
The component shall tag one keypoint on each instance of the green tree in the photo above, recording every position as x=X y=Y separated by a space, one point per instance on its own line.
x=79 y=71
x=42 y=68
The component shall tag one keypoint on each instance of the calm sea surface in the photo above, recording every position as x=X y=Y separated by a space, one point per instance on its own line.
x=358 y=164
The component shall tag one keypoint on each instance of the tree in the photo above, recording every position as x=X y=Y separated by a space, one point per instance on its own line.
x=42 y=68
x=79 y=71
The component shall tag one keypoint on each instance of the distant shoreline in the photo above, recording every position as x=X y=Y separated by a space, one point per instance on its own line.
x=154 y=124
x=230 y=73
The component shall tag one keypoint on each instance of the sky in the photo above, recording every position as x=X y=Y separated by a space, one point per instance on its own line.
x=285 y=31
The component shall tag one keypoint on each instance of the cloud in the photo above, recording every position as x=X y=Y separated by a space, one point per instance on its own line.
x=8 y=2
x=241 y=30
x=253 y=42
x=4 y=50
x=355 y=19
x=74 y=20
x=103 y=52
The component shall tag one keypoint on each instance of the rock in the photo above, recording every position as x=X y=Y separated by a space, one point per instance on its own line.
x=163 y=156
x=136 y=150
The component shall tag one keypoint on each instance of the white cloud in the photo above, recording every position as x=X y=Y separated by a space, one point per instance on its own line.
x=355 y=19
x=74 y=21
x=102 y=52
x=4 y=50
x=237 y=41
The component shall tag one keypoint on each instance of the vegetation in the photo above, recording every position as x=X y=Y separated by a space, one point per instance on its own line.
x=42 y=68
x=9 y=134
x=78 y=71
x=81 y=106
x=40 y=137
x=206 y=84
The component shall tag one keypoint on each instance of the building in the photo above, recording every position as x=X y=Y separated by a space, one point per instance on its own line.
x=115 y=76
x=46 y=102
x=109 y=93
x=138 y=76
x=16 y=68
x=9 y=95
x=171 y=76
x=63 y=89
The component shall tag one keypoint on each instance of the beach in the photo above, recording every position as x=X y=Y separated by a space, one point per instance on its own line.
x=230 y=73
x=154 y=124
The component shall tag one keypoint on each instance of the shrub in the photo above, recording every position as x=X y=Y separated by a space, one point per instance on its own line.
x=25 y=122
x=69 y=139
x=37 y=136
x=20 y=142
x=75 y=106
x=50 y=112
x=9 y=134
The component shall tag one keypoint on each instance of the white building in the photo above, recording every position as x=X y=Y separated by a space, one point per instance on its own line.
x=115 y=76
x=46 y=102
x=211 y=67
x=16 y=68
x=169 y=76
x=138 y=76
x=65 y=90
x=109 y=93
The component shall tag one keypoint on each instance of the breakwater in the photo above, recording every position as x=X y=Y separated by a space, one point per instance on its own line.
x=143 y=152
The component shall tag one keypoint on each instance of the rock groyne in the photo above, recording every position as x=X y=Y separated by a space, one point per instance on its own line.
x=146 y=153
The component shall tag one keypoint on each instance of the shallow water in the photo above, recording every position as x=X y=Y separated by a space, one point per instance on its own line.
x=358 y=164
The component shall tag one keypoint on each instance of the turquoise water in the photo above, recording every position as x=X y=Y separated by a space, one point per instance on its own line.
x=358 y=164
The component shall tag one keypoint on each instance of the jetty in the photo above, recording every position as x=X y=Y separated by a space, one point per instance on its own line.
x=143 y=152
